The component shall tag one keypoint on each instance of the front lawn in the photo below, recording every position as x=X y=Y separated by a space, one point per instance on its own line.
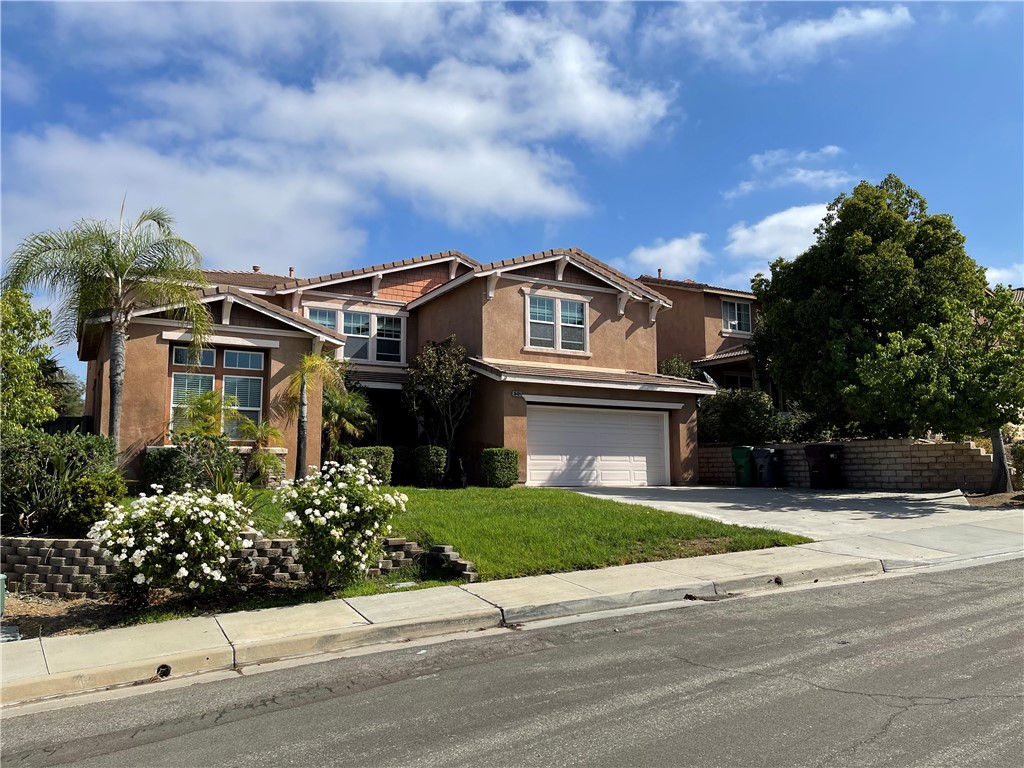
x=527 y=531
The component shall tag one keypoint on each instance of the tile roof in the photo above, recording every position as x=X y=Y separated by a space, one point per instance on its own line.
x=287 y=283
x=583 y=375
x=581 y=257
x=689 y=284
x=286 y=315
x=243 y=279
x=1018 y=295
x=741 y=353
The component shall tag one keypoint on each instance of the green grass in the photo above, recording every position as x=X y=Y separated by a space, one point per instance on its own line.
x=527 y=531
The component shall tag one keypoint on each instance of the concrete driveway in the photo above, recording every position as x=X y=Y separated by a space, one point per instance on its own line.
x=903 y=529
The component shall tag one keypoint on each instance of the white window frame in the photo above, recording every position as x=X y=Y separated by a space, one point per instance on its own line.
x=557 y=298
x=262 y=357
x=730 y=325
x=311 y=310
x=213 y=384
x=244 y=411
x=174 y=355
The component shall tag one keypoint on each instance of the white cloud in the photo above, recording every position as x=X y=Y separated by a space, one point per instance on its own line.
x=466 y=112
x=19 y=83
x=677 y=258
x=785 y=234
x=1005 y=275
x=743 y=37
x=776 y=168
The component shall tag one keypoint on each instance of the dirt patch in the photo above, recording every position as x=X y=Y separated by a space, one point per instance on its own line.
x=1013 y=499
x=38 y=617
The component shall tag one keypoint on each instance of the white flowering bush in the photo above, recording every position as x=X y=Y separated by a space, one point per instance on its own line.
x=339 y=516
x=179 y=540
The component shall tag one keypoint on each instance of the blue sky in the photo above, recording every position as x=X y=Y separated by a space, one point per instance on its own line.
x=703 y=138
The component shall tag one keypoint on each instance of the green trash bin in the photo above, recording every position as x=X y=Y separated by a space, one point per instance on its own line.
x=743 y=460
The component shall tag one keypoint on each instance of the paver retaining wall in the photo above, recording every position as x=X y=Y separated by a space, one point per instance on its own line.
x=70 y=568
x=898 y=465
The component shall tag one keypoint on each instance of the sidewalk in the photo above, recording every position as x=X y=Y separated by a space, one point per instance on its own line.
x=871 y=534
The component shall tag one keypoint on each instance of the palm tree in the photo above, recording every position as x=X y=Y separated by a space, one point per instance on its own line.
x=260 y=465
x=347 y=415
x=313 y=368
x=93 y=268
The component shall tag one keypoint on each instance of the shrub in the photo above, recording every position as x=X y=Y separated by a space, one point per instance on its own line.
x=40 y=472
x=380 y=458
x=90 y=495
x=500 y=467
x=1016 y=452
x=339 y=516
x=680 y=368
x=740 y=416
x=403 y=468
x=196 y=459
x=429 y=461
x=177 y=540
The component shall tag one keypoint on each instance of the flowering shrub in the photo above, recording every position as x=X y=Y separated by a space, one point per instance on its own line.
x=339 y=516
x=178 y=540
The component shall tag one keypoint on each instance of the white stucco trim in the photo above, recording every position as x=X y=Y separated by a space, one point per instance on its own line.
x=231 y=341
x=630 y=405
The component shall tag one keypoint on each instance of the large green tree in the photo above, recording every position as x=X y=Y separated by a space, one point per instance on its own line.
x=98 y=269
x=25 y=362
x=885 y=323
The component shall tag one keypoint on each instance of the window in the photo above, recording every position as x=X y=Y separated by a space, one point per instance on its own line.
x=252 y=361
x=736 y=316
x=248 y=391
x=357 y=332
x=389 y=339
x=206 y=357
x=568 y=333
x=185 y=386
x=325 y=317
x=737 y=381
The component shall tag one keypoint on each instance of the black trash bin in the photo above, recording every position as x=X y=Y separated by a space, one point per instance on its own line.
x=743 y=460
x=768 y=466
x=823 y=462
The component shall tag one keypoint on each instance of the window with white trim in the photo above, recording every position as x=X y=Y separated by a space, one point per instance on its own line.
x=357 y=335
x=181 y=357
x=185 y=386
x=556 y=324
x=248 y=394
x=368 y=336
x=736 y=316
x=325 y=317
x=389 y=339
x=250 y=361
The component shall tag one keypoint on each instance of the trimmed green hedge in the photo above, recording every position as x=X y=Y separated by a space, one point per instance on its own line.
x=430 y=461
x=500 y=467
x=381 y=459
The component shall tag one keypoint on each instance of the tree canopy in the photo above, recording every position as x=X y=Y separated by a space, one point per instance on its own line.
x=885 y=325
x=98 y=268
x=25 y=361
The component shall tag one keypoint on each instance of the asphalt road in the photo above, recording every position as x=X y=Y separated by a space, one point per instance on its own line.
x=925 y=670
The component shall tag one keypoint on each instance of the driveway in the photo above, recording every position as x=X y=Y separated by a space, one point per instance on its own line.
x=899 y=527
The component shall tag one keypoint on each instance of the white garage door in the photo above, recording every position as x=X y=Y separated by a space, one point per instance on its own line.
x=594 y=446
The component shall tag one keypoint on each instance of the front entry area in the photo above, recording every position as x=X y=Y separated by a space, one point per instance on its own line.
x=569 y=446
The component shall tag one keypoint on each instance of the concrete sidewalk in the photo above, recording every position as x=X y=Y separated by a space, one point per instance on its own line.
x=866 y=535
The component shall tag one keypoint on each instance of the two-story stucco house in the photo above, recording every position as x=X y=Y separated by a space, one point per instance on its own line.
x=709 y=327
x=565 y=346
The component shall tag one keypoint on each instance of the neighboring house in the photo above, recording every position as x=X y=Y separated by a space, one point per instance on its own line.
x=566 y=349
x=709 y=327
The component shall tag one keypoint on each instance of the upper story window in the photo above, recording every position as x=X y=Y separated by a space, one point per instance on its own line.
x=736 y=316
x=556 y=323
x=251 y=361
x=370 y=337
x=206 y=357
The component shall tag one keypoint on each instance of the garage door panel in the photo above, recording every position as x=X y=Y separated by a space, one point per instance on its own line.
x=585 y=446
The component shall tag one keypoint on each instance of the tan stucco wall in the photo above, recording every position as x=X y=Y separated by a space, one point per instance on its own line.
x=147 y=394
x=692 y=328
x=457 y=311
x=499 y=420
x=624 y=343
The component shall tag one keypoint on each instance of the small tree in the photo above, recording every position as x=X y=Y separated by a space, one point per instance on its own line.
x=314 y=368
x=678 y=367
x=346 y=417
x=439 y=391
x=27 y=399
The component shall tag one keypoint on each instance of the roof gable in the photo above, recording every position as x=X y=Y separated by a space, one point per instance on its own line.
x=362 y=273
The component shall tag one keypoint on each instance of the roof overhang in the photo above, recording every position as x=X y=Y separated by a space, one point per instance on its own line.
x=570 y=377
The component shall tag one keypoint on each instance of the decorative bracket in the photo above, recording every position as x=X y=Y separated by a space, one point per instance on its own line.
x=375 y=284
x=492 y=282
x=453 y=267
x=654 y=306
x=623 y=298
x=560 y=267
x=225 y=310
x=296 y=301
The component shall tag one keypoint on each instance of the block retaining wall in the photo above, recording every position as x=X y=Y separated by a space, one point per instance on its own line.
x=69 y=568
x=896 y=465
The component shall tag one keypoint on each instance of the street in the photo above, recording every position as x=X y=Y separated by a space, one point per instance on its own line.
x=923 y=670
